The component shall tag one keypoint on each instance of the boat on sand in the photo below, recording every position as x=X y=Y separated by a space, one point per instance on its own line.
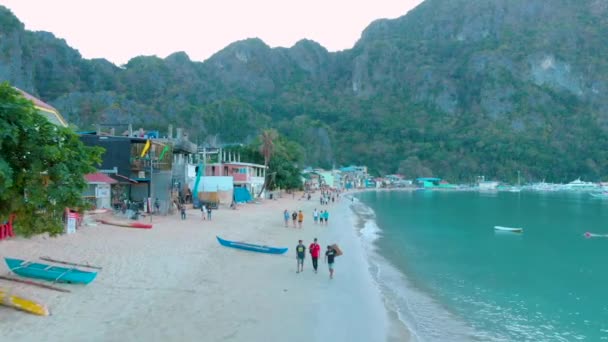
x=22 y=304
x=126 y=224
x=49 y=272
x=509 y=229
x=251 y=247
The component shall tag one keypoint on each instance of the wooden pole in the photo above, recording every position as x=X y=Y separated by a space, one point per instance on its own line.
x=33 y=283
x=69 y=263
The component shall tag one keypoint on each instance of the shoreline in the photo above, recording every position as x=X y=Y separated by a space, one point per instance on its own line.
x=398 y=328
x=176 y=282
x=412 y=310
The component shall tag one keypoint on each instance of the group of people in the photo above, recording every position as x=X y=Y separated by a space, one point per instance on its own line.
x=205 y=210
x=322 y=216
x=327 y=196
x=295 y=216
x=315 y=251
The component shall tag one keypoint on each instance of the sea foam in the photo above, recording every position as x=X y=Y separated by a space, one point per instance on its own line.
x=424 y=318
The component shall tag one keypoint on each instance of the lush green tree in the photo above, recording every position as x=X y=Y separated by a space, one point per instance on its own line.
x=283 y=167
x=267 y=147
x=41 y=166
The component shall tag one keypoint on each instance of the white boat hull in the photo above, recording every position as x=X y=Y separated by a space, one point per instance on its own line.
x=509 y=229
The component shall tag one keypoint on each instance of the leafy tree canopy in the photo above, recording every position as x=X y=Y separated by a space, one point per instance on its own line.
x=283 y=167
x=42 y=166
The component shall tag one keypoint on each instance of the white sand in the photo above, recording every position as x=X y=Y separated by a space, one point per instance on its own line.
x=176 y=283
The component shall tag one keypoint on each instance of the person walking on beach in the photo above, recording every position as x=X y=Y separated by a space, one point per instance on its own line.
x=326 y=216
x=286 y=217
x=314 y=250
x=300 y=218
x=315 y=215
x=209 y=213
x=204 y=211
x=182 y=209
x=329 y=259
x=300 y=254
x=294 y=218
x=156 y=206
x=321 y=216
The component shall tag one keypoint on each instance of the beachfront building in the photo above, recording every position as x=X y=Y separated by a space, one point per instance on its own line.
x=434 y=183
x=142 y=167
x=99 y=190
x=311 y=179
x=428 y=182
x=45 y=110
x=326 y=178
x=185 y=158
x=331 y=179
x=353 y=177
x=248 y=178
x=381 y=182
x=371 y=183
x=398 y=181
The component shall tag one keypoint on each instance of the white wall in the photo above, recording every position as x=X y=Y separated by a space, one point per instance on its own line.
x=214 y=183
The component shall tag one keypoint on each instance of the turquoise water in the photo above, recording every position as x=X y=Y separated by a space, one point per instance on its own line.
x=547 y=284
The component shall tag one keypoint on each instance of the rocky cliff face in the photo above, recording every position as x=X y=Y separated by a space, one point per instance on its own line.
x=462 y=87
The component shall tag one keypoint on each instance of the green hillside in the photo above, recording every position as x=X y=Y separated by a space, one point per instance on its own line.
x=453 y=89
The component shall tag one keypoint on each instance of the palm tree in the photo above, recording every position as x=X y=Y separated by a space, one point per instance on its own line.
x=267 y=137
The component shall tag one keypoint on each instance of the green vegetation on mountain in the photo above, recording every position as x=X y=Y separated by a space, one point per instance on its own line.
x=453 y=89
x=42 y=166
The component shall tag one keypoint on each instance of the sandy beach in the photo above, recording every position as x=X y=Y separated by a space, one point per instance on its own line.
x=175 y=282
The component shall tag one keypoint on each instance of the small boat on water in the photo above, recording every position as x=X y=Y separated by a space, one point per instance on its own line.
x=126 y=224
x=579 y=185
x=22 y=304
x=509 y=229
x=589 y=235
x=251 y=247
x=49 y=272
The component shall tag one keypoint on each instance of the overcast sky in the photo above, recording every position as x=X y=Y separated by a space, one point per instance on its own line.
x=119 y=30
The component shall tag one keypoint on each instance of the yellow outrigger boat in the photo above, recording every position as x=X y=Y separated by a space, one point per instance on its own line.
x=22 y=304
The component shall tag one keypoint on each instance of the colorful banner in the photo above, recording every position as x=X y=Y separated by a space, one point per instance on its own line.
x=146 y=148
x=162 y=154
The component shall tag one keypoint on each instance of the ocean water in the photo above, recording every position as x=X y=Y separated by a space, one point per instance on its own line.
x=449 y=276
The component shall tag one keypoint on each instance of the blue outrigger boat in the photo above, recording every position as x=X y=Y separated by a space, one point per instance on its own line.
x=49 y=272
x=251 y=247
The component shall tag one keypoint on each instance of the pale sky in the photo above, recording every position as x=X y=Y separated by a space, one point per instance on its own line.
x=119 y=30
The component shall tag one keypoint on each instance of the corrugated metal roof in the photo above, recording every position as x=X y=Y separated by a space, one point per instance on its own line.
x=47 y=110
x=99 y=178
